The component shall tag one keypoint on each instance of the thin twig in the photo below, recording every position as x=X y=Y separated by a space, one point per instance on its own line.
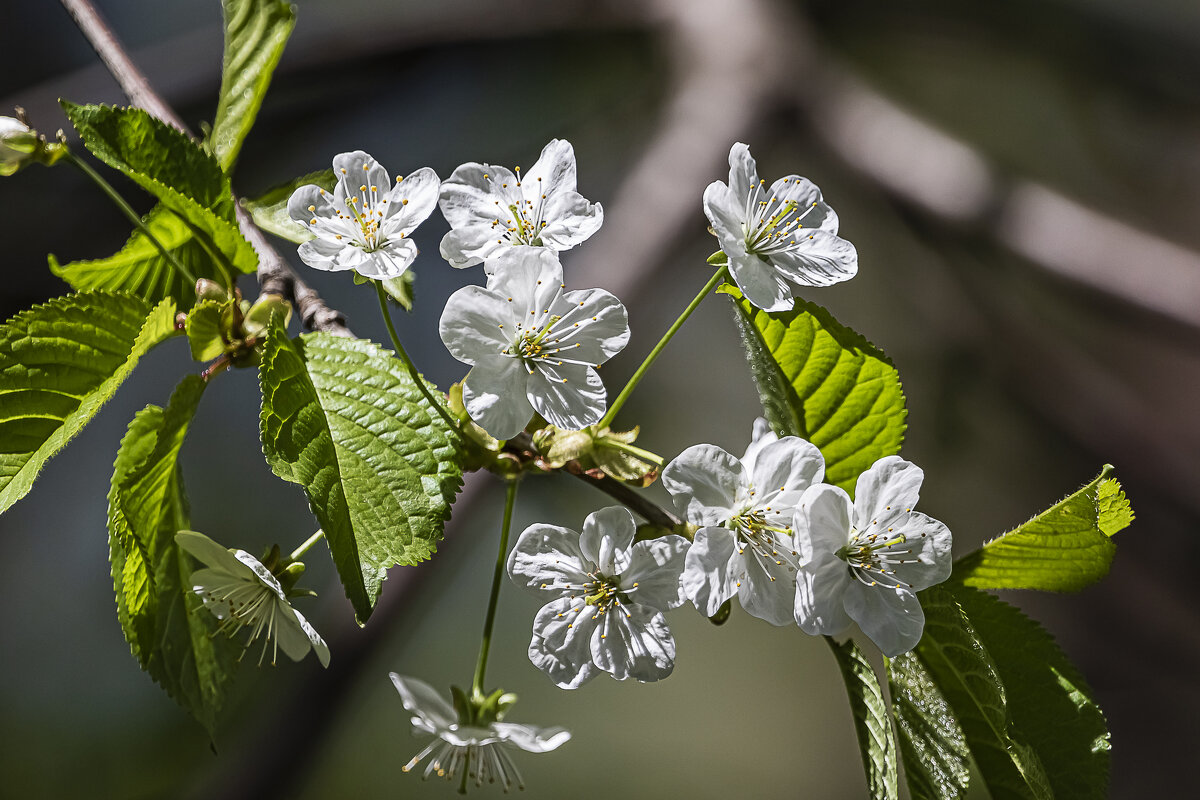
x=274 y=275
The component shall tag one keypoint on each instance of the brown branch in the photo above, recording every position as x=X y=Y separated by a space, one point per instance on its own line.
x=274 y=274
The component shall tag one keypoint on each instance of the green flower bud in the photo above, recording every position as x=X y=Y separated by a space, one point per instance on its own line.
x=211 y=290
x=258 y=316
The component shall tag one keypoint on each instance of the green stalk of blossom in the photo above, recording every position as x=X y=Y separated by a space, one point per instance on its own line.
x=510 y=498
x=438 y=405
x=636 y=452
x=713 y=282
x=307 y=545
x=128 y=211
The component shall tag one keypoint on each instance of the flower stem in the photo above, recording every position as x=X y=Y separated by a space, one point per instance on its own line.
x=128 y=211
x=717 y=277
x=299 y=552
x=438 y=406
x=510 y=499
x=636 y=452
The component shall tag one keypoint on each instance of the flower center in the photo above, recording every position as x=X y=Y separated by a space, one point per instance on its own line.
x=523 y=223
x=476 y=763
x=533 y=343
x=249 y=605
x=773 y=226
x=766 y=542
x=872 y=558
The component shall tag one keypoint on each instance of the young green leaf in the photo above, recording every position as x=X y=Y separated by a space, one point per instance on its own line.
x=1051 y=707
x=270 y=211
x=871 y=721
x=203 y=329
x=343 y=419
x=59 y=363
x=965 y=672
x=140 y=269
x=255 y=34
x=168 y=164
x=932 y=744
x=1062 y=549
x=171 y=635
x=823 y=382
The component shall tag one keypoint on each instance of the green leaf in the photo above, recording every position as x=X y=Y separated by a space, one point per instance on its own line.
x=140 y=269
x=255 y=34
x=170 y=633
x=59 y=363
x=270 y=210
x=1063 y=549
x=932 y=744
x=204 y=329
x=1051 y=707
x=343 y=419
x=168 y=164
x=871 y=721
x=967 y=675
x=823 y=382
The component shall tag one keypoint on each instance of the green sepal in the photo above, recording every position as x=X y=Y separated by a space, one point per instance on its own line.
x=718 y=259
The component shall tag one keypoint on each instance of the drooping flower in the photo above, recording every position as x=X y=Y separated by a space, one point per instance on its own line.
x=532 y=345
x=777 y=238
x=490 y=208
x=477 y=752
x=744 y=509
x=865 y=560
x=609 y=598
x=241 y=592
x=364 y=224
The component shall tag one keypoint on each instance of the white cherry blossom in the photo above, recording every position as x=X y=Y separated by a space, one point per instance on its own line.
x=744 y=510
x=778 y=238
x=477 y=753
x=865 y=560
x=490 y=208
x=609 y=597
x=242 y=593
x=365 y=223
x=532 y=345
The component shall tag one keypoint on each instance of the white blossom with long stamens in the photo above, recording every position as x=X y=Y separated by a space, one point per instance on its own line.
x=609 y=597
x=490 y=208
x=464 y=752
x=744 y=510
x=778 y=238
x=532 y=344
x=242 y=593
x=366 y=222
x=865 y=560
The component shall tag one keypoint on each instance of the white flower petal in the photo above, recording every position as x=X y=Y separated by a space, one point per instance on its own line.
x=822 y=524
x=211 y=554
x=888 y=490
x=331 y=256
x=760 y=282
x=470 y=245
x=768 y=590
x=594 y=325
x=727 y=214
x=743 y=172
x=821 y=586
x=570 y=220
x=531 y=276
x=760 y=437
x=476 y=193
x=706 y=483
x=891 y=618
x=546 y=558
x=804 y=193
x=356 y=168
x=296 y=636
x=554 y=170
x=928 y=542
x=570 y=396
x=476 y=323
x=783 y=470
x=410 y=202
x=634 y=642
x=424 y=702
x=655 y=566
x=818 y=259
x=606 y=539
x=560 y=646
x=389 y=261
x=495 y=396
x=532 y=738
x=707 y=578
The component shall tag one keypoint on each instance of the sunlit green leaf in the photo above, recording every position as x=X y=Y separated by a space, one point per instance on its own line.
x=59 y=363
x=932 y=744
x=270 y=209
x=871 y=721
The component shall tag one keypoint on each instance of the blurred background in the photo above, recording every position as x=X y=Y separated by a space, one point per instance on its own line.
x=1021 y=181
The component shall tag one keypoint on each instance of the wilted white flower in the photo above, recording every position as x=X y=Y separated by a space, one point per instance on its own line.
x=242 y=593
x=776 y=238
x=364 y=224
x=744 y=509
x=609 y=597
x=18 y=145
x=490 y=208
x=477 y=752
x=865 y=560
x=533 y=346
